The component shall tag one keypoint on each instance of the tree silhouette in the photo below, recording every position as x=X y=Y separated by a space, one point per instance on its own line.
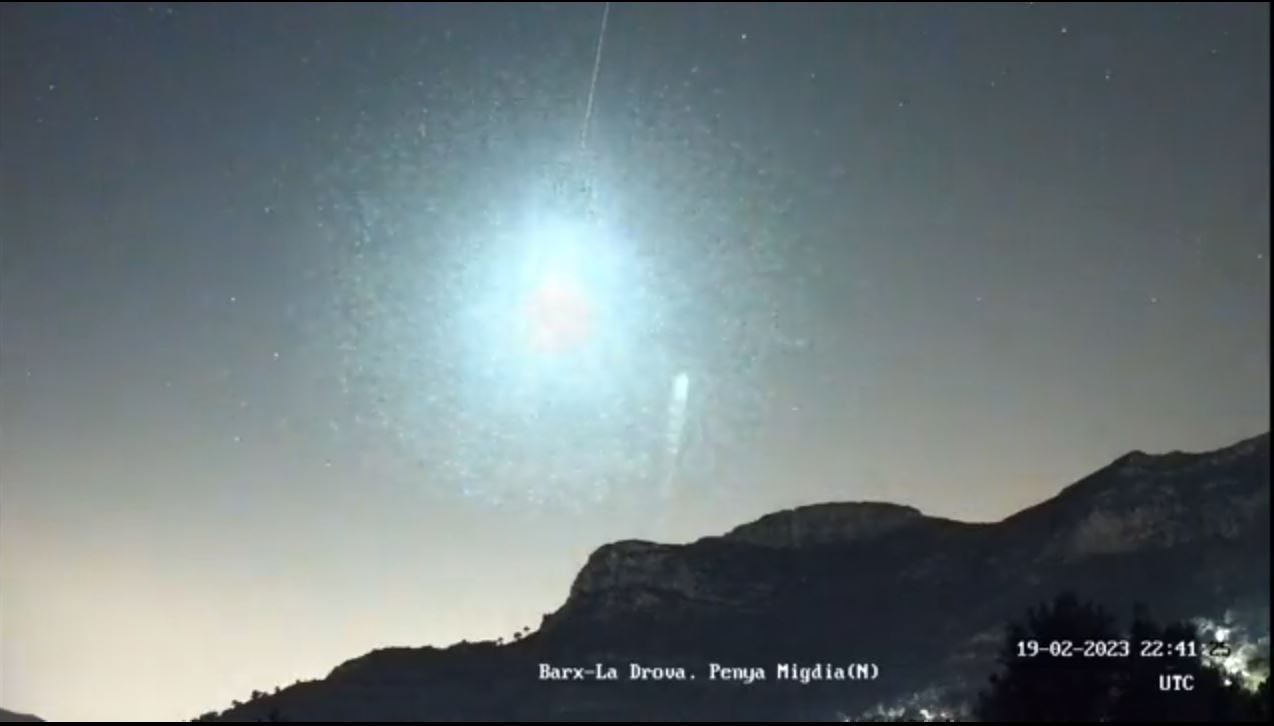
x=1047 y=688
x=1261 y=705
x=1140 y=697
x=1124 y=684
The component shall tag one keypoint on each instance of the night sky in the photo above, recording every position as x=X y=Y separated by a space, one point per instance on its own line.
x=321 y=331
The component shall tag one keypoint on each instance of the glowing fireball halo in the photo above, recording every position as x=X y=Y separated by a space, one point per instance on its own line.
x=562 y=286
x=557 y=316
x=562 y=304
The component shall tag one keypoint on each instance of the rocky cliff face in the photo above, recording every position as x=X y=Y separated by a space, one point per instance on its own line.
x=637 y=576
x=923 y=598
x=826 y=524
x=1144 y=503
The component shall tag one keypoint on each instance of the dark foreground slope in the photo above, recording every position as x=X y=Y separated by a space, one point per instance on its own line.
x=923 y=598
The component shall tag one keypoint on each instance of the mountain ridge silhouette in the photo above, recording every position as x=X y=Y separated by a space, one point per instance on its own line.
x=923 y=598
